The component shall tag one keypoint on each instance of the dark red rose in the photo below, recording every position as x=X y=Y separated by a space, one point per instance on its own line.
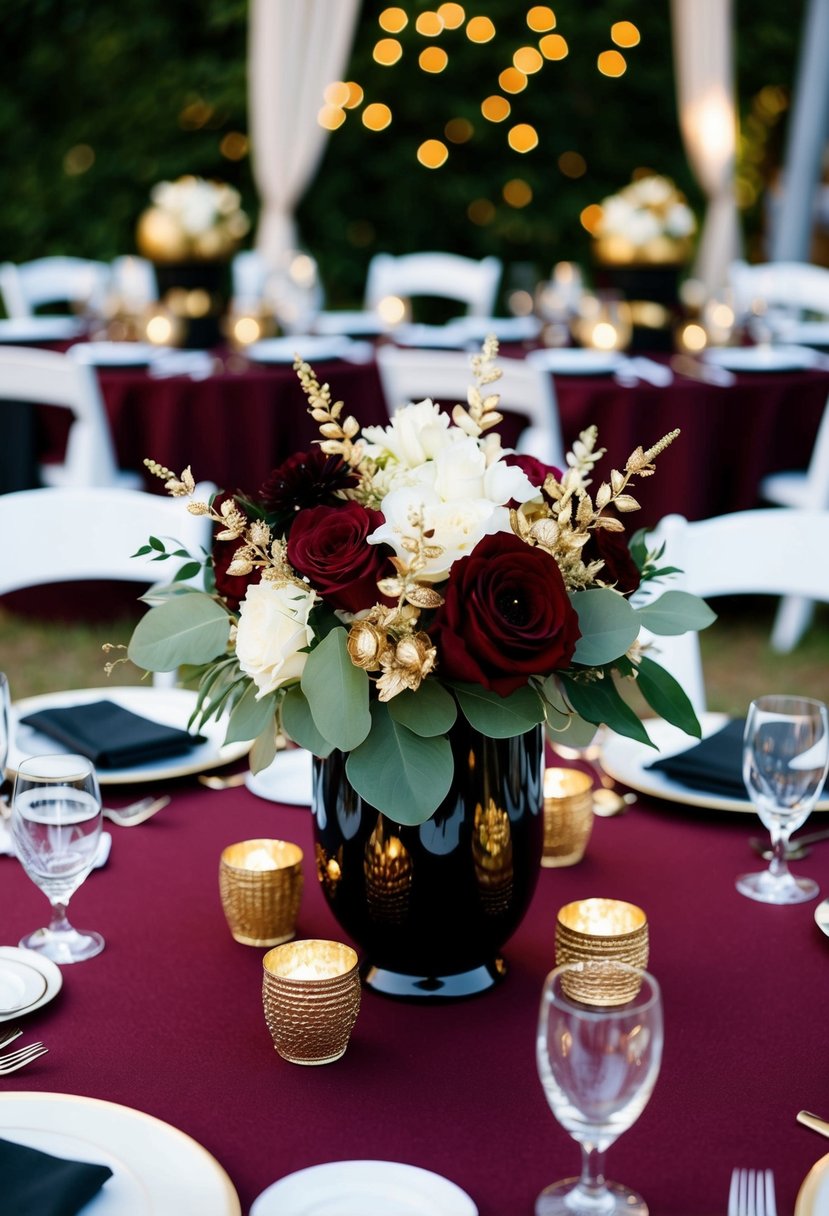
x=620 y=570
x=328 y=546
x=535 y=470
x=506 y=616
x=231 y=587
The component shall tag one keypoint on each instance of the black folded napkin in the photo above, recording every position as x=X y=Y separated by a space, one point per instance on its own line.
x=714 y=765
x=35 y=1182
x=111 y=736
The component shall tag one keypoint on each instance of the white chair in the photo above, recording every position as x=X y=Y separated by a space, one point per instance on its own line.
x=446 y=275
x=797 y=287
x=27 y=286
x=45 y=377
x=762 y=552
x=133 y=283
x=412 y=375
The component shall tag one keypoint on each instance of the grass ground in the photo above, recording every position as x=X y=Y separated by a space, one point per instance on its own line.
x=44 y=656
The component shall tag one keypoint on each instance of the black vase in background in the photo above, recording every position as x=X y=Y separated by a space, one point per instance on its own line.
x=431 y=906
x=196 y=293
x=652 y=292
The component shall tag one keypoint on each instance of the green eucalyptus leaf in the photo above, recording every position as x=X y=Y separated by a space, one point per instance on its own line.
x=299 y=723
x=500 y=717
x=667 y=697
x=250 y=717
x=599 y=701
x=431 y=710
x=190 y=628
x=576 y=733
x=337 y=692
x=675 y=612
x=608 y=624
x=263 y=750
x=404 y=775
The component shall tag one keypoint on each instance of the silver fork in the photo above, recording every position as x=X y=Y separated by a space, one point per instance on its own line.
x=136 y=812
x=20 y=1058
x=752 y=1193
x=8 y=1036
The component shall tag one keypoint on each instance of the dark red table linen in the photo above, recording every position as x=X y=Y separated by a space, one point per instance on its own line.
x=168 y=1019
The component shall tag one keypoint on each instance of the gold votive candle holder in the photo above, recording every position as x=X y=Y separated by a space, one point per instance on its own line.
x=568 y=815
x=597 y=930
x=260 y=884
x=311 y=995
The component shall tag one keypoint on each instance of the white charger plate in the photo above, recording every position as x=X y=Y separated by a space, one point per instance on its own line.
x=287 y=778
x=505 y=329
x=813 y=1196
x=362 y=323
x=156 y=1169
x=577 y=361
x=172 y=706
x=115 y=354
x=308 y=346
x=806 y=333
x=40 y=329
x=13 y=957
x=429 y=337
x=625 y=760
x=363 y=1188
x=758 y=358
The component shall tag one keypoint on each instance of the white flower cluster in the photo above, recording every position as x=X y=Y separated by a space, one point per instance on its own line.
x=192 y=217
x=649 y=216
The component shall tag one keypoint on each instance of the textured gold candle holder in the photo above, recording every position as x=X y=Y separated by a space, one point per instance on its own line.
x=602 y=930
x=311 y=994
x=260 y=883
x=568 y=815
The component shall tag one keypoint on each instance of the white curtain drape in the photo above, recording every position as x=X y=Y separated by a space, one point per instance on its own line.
x=704 y=69
x=295 y=49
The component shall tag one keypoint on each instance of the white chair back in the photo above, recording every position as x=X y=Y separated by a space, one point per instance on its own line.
x=762 y=552
x=45 y=377
x=798 y=286
x=446 y=275
x=412 y=375
x=27 y=286
x=133 y=283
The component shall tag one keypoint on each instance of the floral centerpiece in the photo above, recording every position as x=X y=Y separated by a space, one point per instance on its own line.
x=648 y=222
x=191 y=219
x=397 y=578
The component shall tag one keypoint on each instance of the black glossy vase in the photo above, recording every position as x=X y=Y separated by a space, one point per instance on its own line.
x=431 y=906
x=197 y=294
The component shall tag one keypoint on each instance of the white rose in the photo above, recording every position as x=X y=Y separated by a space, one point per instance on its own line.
x=457 y=525
x=417 y=433
x=272 y=632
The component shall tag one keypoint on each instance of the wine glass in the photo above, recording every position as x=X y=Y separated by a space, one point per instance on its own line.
x=785 y=758
x=598 y=1065
x=5 y=736
x=56 y=828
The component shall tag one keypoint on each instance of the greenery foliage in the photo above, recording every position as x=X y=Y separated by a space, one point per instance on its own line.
x=110 y=98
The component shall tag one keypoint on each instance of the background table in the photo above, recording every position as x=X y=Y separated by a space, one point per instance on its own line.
x=168 y=1019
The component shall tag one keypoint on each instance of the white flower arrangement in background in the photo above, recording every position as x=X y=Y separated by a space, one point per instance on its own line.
x=192 y=218
x=648 y=221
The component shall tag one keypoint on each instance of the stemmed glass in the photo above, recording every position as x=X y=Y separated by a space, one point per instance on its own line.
x=56 y=828
x=5 y=737
x=785 y=758
x=598 y=1065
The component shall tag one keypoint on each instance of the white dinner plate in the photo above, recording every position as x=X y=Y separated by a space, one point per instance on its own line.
x=287 y=778
x=172 y=706
x=822 y=916
x=308 y=346
x=625 y=760
x=359 y=322
x=363 y=1188
x=813 y=1196
x=429 y=337
x=40 y=329
x=758 y=358
x=115 y=354
x=577 y=361
x=505 y=329
x=42 y=985
x=805 y=333
x=156 y=1169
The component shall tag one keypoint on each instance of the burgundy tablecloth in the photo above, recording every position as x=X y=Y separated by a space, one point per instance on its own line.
x=169 y=1019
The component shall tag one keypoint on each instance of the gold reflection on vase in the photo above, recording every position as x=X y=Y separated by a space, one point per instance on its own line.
x=492 y=857
x=388 y=870
x=329 y=869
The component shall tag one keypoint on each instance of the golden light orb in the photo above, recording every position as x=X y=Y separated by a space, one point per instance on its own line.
x=528 y=60
x=541 y=18
x=553 y=46
x=336 y=93
x=247 y=330
x=517 y=192
x=387 y=52
x=376 y=116
x=611 y=63
x=331 y=117
x=393 y=20
x=625 y=33
x=429 y=24
x=522 y=137
x=433 y=59
x=432 y=153
x=459 y=130
x=159 y=329
x=355 y=95
x=452 y=15
x=590 y=218
x=481 y=212
x=512 y=81
x=495 y=108
x=78 y=160
x=572 y=164
x=480 y=29
x=392 y=310
x=693 y=337
x=234 y=145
